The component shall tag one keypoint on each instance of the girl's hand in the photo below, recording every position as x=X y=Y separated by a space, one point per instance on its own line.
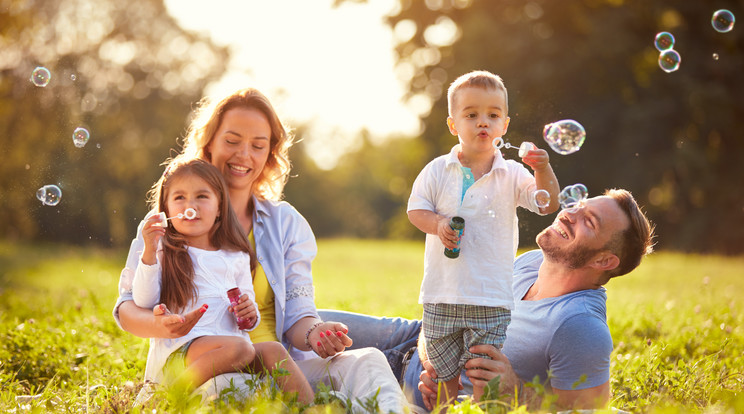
x=446 y=233
x=153 y=230
x=174 y=325
x=537 y=159
x=329 y=339
x=245 y=309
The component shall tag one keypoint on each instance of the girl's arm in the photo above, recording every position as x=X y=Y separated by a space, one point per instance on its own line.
x=143 y=322
x=148 y=275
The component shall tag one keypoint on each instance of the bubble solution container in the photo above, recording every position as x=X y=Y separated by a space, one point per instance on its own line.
x=458 y=225
x=234 y=295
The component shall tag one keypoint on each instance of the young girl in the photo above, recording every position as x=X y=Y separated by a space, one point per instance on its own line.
x=202 y=256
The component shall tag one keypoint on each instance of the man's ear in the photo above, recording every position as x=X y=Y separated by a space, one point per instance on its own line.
x=605 y=261
x=451 y=125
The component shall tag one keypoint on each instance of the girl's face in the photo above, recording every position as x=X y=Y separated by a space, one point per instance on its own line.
x=240 y=147
x=191 y=191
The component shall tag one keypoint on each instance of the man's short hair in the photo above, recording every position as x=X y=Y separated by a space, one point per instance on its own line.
x=636 y=241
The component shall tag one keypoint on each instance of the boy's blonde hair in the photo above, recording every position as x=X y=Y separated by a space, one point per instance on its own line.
x=476 y=79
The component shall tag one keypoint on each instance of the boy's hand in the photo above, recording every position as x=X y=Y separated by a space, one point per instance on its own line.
x=246 y=309
x=537 y=159
x=153 y=230
x=446 y=233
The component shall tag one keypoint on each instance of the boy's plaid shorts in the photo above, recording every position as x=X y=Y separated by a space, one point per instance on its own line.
x=450 y=330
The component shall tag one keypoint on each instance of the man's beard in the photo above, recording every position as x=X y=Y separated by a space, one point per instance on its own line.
x=575 y=259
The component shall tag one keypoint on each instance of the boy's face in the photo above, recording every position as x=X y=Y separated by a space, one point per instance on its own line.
x=479 y=116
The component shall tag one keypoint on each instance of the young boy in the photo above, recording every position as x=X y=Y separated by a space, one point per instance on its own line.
x=467 y=300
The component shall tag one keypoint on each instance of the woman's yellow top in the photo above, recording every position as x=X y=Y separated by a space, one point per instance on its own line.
x=266 y=330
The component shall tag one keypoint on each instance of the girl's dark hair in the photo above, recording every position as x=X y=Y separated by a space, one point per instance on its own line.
x=178 y=288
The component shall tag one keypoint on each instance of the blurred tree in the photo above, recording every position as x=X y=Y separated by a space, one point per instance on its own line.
x=126 y=72
x=673 y=139
x=364 y=195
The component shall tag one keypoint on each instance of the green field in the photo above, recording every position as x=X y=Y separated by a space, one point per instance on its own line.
x=677 y=324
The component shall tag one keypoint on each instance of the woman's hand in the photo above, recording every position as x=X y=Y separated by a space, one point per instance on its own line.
x=245 y=309
x=173 y=325
x=329 y=339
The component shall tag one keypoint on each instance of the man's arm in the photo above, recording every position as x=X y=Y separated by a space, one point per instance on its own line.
x=594 y=397
x=481 y=371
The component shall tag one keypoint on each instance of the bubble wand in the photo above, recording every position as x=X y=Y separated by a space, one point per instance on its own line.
x=188 y=214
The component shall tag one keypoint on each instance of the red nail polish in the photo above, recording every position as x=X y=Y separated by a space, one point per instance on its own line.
x=321 y=334
x=206 y=306
x=328 y=332
x=339 y=334
x=318 y=343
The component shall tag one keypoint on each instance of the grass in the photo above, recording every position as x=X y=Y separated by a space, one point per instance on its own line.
x=677 y=325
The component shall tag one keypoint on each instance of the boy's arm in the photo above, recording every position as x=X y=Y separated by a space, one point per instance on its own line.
x=545 y=178
x=432 y=223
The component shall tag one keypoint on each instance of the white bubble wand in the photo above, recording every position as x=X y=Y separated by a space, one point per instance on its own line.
x=188 y=214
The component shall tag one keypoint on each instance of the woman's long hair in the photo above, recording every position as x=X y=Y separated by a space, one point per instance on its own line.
x=178 y=288
x=207 y=120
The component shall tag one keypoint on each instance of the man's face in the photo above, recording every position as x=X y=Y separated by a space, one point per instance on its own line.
x=576 y=237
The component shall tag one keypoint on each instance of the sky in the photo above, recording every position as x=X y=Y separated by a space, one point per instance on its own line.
x=331 y=68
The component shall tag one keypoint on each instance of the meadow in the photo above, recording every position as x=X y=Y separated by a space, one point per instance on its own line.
x=677 y=324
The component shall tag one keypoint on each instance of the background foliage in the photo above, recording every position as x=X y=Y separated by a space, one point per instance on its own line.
x=673 y=139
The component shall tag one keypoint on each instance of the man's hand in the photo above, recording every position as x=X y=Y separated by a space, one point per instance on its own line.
x=174 y=325
x=481 y=370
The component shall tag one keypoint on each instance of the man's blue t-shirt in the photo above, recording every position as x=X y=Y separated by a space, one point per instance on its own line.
x=565 y=337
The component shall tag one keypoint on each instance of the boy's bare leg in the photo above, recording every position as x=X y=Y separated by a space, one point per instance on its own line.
x=272 y=355
x=209 y=356
x=448 y=393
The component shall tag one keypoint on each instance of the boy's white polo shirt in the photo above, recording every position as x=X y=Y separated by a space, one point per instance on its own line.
x=482 y=274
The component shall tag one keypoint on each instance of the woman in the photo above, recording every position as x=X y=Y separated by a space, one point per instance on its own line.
x=243 y=137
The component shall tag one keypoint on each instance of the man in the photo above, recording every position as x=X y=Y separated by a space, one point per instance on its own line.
x=559 y=333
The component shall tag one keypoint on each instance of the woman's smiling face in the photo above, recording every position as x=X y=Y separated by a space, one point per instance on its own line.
x=240 y=147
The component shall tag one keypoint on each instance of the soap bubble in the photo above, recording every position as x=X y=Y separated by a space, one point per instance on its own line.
x=564 y=137
x=723 y=21
x=542 y=198
x=49 y=195
x=573 y=196
x=41 y=76
x=664 y=41
x=669 y=60
x=80 y=137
